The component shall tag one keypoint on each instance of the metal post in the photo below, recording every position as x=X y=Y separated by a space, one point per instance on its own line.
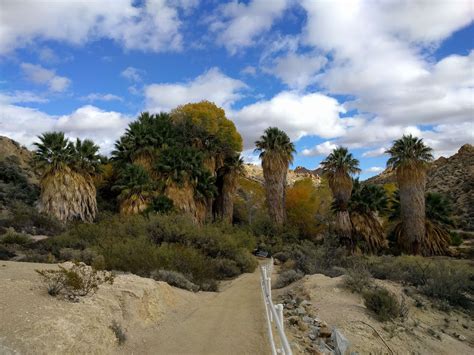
x=279 y=307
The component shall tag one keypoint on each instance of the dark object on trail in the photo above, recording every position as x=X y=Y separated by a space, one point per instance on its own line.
x=261 y=253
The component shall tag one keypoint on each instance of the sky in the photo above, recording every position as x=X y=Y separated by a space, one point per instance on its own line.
x=328 y=72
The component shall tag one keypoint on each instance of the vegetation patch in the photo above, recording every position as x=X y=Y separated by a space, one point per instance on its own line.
x=382 y=303
x=77 y=281
x=287 y=277
x=175 y=279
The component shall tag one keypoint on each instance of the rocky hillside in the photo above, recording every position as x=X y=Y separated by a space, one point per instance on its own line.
x=12 y=151
x=452 y=177
x=255 y=173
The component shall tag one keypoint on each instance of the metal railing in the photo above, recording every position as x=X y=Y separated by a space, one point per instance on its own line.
x=274 y=313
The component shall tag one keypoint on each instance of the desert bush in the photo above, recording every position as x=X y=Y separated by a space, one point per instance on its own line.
x=358 y=279
x=175 y=279
x=452 y=283
x=119 y=332
x=77 y=281
x=287 y=277
x=443 y=280
x=382 y=303
x=12 y=237
x=27 y=219
x=226 y=268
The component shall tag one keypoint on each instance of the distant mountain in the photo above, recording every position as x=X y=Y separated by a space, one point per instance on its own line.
x=255 y=173
x=453 y=177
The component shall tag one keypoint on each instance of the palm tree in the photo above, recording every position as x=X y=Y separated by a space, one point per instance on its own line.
x=367 y=202
x=338 y=168
x=409 y=156
x=136 y=190
x=276 y=151
x=437 y=223
x=227 y=178
x=67 y=188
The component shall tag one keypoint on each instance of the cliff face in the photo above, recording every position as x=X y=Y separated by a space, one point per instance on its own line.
x=19 y=155
x=255 y=173
x=454 y=178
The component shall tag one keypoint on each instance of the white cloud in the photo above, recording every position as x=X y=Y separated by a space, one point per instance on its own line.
x=379 y=54
x=101 y=97
x=238 y=24
x=374 y=169
x=213 y=85
x=322 y=149
x=39 y=75
x=298 y=115
x=25 y=124
x=132 y=74
x=153 y=26
x=21 y=97
x=249 y=70
x=47 y=55
x=298 y=70
x=375 y=152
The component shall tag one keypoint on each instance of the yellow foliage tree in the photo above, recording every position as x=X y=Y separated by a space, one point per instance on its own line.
x=307 y=205
x=212 y=118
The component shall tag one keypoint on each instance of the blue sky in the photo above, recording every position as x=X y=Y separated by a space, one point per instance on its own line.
x=354 y=73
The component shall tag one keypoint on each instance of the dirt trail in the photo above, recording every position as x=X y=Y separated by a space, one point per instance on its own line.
x=229 y=322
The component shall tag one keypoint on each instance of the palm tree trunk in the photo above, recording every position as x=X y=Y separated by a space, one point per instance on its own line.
x=341 y=186
x=275 y=188
x=412 y=208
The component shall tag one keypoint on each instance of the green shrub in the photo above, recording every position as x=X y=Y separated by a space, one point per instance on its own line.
x=27 y=219
x=175 y=279
x=12 y=237
x=358 y=279
x=287 y=277
x=382 y=303
x=226 y=268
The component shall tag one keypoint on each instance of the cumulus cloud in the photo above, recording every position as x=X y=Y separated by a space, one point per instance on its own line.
x=322 y=149
x=298 y=70
x=377 y=55
x=238 y=24
x=19 y=96
x=297 y=114
x=374 y=169
x=212 y=85
x=249 y=70
x=132 y=74
x=375 y=152
x=154 y=25
x=24 y=124
x=101 y=97
x=39 y=75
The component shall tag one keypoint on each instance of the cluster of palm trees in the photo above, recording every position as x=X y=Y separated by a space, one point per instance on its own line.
x=190 y=159
x=357 y=208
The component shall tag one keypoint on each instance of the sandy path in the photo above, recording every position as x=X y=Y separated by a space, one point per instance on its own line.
x=229 y=322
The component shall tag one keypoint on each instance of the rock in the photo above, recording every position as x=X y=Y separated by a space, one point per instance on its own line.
x=302 y=326
x=325 y=332
x=461 y=337
x=312 y=336
x=300 y=311
x=308 y=320
x=305 y=303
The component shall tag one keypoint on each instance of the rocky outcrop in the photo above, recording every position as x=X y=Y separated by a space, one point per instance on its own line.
x=255 y=173
x=12 y=150
x=453 y=177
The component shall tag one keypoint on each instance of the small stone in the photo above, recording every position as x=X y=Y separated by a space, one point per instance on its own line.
x=308 y=320
x=303 y=326
x=300 y=311
x=325 y=332
x=461 y=337
x=305 y=303
x=312 y=336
